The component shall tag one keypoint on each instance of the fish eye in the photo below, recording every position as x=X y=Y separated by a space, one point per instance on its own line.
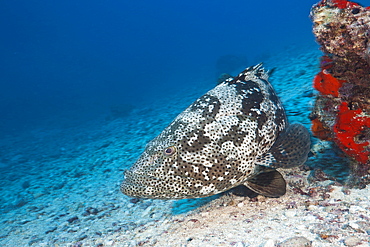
x=169 y=151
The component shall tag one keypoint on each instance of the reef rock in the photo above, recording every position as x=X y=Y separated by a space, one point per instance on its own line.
x=342 y=109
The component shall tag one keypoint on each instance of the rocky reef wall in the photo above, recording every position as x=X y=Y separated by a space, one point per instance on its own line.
x=342 y=109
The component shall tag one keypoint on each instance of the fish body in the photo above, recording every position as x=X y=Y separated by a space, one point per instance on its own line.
x=235 y=134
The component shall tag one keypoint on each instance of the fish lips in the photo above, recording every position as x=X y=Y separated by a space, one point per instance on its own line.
x=131 y=187
x=151 y=187
x=140 y=188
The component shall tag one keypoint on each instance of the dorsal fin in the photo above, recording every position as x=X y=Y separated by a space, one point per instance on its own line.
x=252 y=72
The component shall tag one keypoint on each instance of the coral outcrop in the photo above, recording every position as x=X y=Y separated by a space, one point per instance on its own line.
x=342 y=109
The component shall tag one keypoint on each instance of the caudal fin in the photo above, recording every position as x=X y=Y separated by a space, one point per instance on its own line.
x=290 y=149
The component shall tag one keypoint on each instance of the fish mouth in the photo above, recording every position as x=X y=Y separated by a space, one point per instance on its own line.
x=134 y=187
x=138 y=178
x=148 y=186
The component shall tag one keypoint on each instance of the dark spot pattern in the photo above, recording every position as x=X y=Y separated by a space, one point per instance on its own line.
x=196 y=145
x=252 y=96
x=235 y=135
x=208 y=106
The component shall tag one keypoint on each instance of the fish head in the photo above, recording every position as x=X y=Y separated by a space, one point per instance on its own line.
x=187 y=160
x=160 y=172
x=149 y=177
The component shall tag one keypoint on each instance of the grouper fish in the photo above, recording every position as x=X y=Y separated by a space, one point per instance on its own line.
x=235 y=134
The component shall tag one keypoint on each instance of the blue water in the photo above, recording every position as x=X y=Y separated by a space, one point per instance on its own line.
x=74 y=61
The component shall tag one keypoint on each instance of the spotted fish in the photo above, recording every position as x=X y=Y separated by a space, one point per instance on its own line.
x=235 y=134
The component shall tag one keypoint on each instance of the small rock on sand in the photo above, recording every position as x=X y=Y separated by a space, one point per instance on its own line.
x=296 y=242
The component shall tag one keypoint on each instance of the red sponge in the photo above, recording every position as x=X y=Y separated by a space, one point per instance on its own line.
x=327 y=84
x=349 y=126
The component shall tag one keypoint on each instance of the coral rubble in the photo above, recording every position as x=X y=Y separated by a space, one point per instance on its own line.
x=342 y=109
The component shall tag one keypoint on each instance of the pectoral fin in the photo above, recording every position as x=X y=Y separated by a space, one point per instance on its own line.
x=268 y=182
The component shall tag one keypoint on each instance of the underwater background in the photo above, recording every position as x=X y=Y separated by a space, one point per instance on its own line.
x=74 y=61
x=84 y=85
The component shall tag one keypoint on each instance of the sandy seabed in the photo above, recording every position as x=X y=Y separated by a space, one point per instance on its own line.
x=60 y=187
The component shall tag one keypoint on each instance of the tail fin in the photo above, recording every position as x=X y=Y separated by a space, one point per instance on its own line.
x=290 y=149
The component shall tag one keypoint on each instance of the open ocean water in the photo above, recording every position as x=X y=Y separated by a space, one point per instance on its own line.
x=84 y=85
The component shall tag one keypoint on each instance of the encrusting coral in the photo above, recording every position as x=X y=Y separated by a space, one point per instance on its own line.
x=342 y=109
